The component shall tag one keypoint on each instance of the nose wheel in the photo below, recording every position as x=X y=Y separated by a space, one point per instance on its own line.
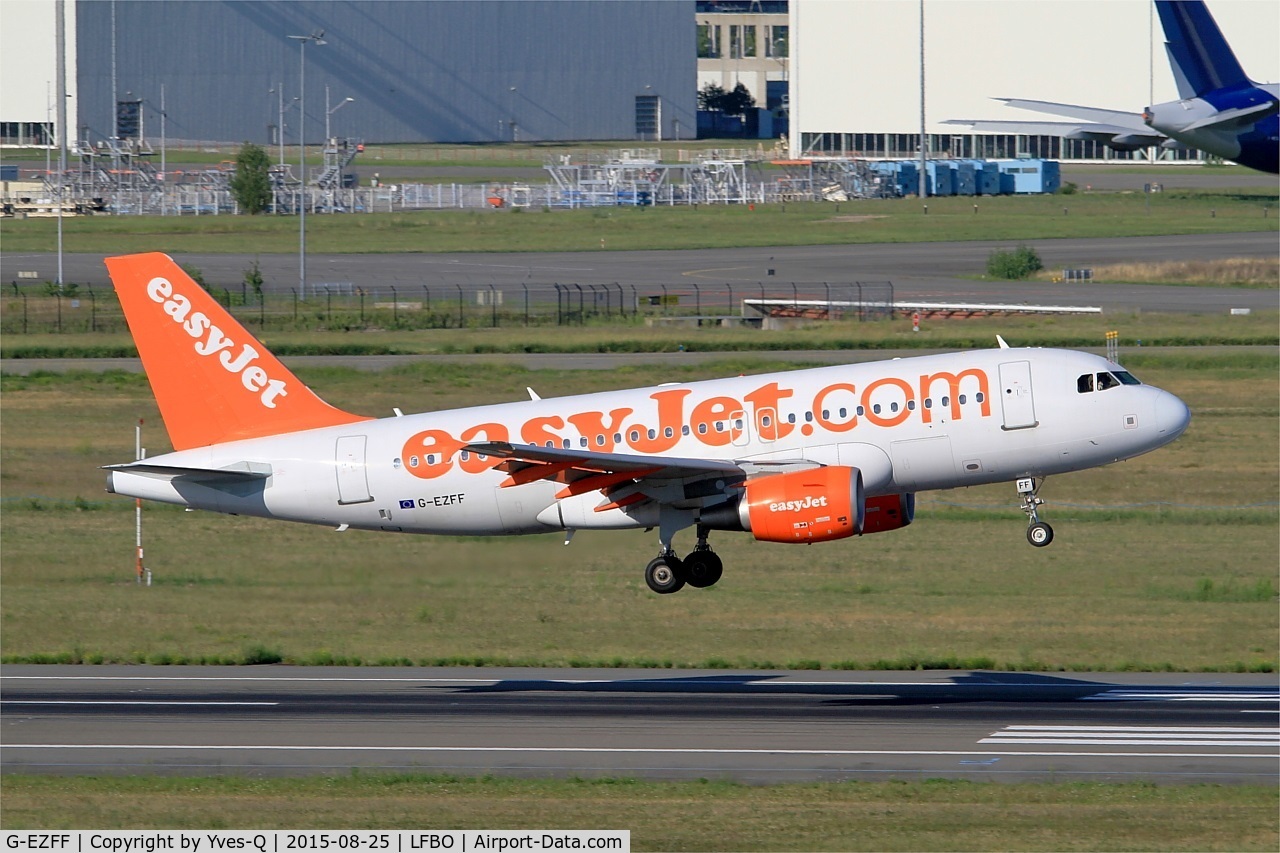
x=1039 y=533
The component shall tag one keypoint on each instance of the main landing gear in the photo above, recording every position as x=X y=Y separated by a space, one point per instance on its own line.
x=1039 y=533
x=667 y=573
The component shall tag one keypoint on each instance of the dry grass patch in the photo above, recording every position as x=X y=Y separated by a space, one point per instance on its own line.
x=1229 y=272
x=928 y=815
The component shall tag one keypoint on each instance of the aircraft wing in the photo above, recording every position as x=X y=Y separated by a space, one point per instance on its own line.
x=1093 y=115
x=1120 y=130
x=625 y=478
x=1071 y=130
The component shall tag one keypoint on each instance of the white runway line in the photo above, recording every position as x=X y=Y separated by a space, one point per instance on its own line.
x=1224 y=695
x=1221 y=736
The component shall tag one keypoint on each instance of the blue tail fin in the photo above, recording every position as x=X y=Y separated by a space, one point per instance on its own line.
x=1202 y=60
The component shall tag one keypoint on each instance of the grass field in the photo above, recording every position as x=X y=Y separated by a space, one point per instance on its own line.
x=709 y=226
x=319 y=331
x=1138 y=578
x=932 y=815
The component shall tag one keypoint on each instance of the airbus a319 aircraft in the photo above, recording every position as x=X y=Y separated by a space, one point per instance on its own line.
x=795 y=457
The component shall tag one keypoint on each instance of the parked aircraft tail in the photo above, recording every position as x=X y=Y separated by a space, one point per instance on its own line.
x=1200 y=57
x=213 y=380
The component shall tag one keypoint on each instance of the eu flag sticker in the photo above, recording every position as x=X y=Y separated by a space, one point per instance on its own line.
x=406 y=504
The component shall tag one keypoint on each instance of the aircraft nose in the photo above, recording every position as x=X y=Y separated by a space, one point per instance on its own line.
x=1172 y=415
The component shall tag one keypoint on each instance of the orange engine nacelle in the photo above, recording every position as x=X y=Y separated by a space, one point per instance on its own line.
x=817 y=505
x=889 y=512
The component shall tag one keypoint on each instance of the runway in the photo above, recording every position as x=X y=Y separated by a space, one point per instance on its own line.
x=753 y=727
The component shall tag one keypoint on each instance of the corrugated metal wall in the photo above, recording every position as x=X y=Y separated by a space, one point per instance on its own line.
x=419 y=71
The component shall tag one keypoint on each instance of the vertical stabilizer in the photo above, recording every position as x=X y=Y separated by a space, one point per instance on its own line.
x=1201 y=58
x=213 y=380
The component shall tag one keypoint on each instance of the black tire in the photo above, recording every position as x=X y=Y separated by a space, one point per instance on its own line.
x=702 y=569
x=1039 y=534
x=664 y=575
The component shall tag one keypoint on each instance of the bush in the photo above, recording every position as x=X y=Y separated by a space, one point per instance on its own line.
x=1017 y=264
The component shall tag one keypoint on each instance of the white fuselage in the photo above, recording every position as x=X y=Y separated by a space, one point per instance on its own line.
x=932 y=422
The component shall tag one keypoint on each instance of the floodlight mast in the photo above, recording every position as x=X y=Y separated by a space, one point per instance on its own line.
x=329 y=112
x=317 y=38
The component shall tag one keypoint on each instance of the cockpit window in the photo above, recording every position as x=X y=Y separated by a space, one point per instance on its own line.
x=1084 y=384
x=1126 y=377
x=1106 y=381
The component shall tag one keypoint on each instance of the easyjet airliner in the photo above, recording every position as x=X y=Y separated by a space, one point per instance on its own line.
x=796 y=457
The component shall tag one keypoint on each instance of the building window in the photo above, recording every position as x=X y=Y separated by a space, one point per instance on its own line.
x=708 y=41
x=742 y=41
x=648 y=117
x=778 y=43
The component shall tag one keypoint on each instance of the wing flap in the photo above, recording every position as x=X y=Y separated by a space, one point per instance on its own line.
x=523 y=461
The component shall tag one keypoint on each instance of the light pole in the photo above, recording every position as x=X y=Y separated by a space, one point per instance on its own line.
x=279 y=91
x=318 y=38
x=328 y=112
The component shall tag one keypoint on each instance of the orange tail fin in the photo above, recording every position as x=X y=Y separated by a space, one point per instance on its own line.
x=213 y=380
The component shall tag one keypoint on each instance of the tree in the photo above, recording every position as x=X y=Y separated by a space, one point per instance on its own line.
x=711 y=96
x=735 y=103
x=251 y=183
x=738 y=101
x=253 y=278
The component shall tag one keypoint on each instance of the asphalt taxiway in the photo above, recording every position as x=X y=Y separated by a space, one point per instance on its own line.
x=941 y=272
x=748 y=726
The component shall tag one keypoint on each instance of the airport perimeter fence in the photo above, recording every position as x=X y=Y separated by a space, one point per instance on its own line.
x=195 y=201
x=41 y=308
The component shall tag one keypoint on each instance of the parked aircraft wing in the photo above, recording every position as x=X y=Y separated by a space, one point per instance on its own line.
x=1071 y=130
x=1096 y=115
x=1122 y=138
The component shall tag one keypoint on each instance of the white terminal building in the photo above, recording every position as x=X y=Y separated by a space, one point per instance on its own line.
x=856 y=67
x=842 y=76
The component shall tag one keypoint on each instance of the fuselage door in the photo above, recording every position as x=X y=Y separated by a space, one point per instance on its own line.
x=353 y=478
x=1015 y=395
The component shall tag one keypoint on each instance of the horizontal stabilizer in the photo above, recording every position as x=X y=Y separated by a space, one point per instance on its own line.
x=1236 y=119
x=238 y=472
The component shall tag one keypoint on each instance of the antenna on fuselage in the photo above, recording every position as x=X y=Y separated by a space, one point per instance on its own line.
x=1001 y=342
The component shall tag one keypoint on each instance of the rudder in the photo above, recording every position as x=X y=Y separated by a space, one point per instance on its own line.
x=213 y=380
x=1199 y=53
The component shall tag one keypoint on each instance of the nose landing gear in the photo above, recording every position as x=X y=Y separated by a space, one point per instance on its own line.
x=1039 y=533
